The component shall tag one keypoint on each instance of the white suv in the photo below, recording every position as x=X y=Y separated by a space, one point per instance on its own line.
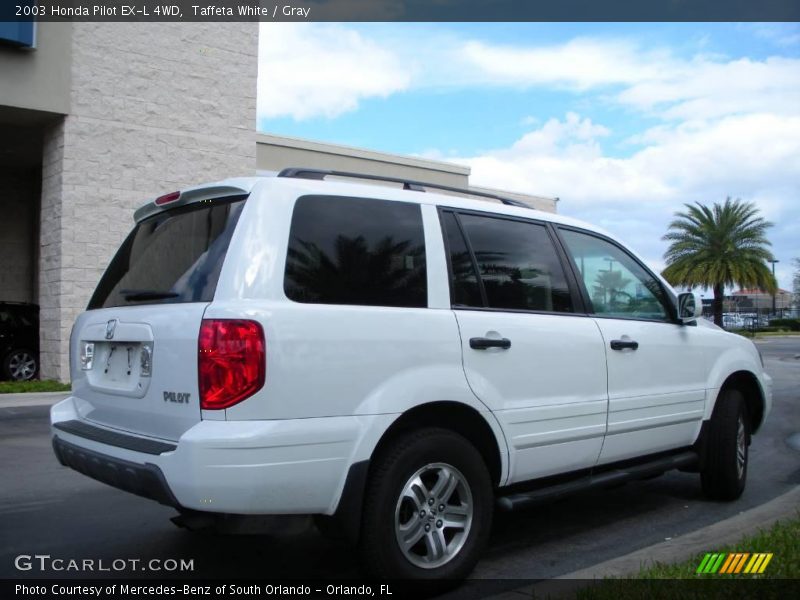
x=395 y=362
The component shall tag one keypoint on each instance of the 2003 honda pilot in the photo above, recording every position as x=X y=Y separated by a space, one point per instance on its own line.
x=392 y=360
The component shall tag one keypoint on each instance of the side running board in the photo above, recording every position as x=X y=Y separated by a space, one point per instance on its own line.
x=519 y=500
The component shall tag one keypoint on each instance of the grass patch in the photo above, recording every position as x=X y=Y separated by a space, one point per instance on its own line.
x=763 y=334
x=22 y=387
x=782 y=539
x=776 y=333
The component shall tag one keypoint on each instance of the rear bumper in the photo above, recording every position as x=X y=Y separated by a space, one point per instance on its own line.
x=293 y=466
x=143 y=480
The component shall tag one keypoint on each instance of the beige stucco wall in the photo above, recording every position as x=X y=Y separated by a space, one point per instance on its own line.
x=275 y=152
x=39 y=78
x=278 y=152
x=154 y=107
x=542 y=203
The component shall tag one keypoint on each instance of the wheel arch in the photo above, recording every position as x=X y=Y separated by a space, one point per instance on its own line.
x=457 y=417
x=748 y=384
x=461 y=418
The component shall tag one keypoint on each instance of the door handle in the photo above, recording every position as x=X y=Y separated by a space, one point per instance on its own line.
x=622 y=344
x=484 y=343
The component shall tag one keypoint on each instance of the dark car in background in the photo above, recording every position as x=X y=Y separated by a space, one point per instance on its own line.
x=19 y=341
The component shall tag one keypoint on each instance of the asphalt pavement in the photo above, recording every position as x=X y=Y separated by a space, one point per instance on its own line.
x=48 y=509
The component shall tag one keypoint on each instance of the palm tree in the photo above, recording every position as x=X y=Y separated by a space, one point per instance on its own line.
x=724 y=245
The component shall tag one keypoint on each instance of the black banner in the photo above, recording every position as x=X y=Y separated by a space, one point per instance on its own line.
x=722 y=588
x=400 y=10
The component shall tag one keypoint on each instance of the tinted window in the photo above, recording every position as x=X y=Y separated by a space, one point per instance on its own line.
x=518 y=264
x=356 y=251
x=464 y=290
x=617 y=284
x=16 y=316
x=174 y=256
x=8 y=319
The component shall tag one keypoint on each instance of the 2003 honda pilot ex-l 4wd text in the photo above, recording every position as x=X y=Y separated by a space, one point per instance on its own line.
x=395 y=361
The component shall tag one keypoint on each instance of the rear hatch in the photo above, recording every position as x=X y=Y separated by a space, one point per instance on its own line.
x=133 y=353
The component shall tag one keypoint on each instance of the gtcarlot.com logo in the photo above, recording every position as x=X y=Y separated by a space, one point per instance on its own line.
x=722 y=563
x=47 y=563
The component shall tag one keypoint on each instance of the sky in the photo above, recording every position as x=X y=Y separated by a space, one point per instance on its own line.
x=624 y=123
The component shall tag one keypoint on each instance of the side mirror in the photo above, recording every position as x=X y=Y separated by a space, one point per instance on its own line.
x=690 y=306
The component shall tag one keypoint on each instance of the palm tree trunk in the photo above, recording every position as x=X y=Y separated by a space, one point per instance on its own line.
x=719 y=295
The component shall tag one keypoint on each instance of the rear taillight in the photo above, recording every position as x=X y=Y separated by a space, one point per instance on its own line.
x=231 y=361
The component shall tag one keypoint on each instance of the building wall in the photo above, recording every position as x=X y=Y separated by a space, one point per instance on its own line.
x=740 y=302
x=52 y=327
x=538 y=202
x=278 y=152
x=39 y=78
x=154 y=108
x=19 y=209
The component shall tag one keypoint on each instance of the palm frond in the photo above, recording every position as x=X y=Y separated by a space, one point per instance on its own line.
x=722 y=245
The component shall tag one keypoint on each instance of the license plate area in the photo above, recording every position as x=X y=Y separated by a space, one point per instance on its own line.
x=121 y=367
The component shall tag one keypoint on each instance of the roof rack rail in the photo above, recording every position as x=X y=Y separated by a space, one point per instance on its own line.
x=408 y=184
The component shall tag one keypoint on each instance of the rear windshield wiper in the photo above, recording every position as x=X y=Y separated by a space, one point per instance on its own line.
x=133 y=295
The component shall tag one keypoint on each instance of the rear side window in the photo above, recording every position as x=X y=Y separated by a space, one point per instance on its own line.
x=356 y=251
x=172 y=257
x=517 y=263
x=464 y=287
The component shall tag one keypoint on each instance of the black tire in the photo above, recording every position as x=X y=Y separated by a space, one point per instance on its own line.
x=724 y=472
x=20 y=364
x=438 y=455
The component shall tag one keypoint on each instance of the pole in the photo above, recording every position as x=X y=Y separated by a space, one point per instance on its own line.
x=773 y=261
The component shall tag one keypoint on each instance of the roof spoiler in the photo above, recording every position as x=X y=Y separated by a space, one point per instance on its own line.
x=189 y=196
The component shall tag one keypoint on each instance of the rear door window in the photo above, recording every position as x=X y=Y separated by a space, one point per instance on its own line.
x=172 y=257
x=517 y=262
x=358 y=251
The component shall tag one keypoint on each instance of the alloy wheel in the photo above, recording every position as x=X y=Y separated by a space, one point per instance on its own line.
x=22 y=366
x=433 y=515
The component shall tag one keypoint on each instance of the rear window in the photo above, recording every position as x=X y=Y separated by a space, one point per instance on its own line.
x=171 y=257
x=356 y=251
x=518 y=264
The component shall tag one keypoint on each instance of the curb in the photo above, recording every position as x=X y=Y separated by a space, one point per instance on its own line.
x=681 y=548
x=31 y=399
